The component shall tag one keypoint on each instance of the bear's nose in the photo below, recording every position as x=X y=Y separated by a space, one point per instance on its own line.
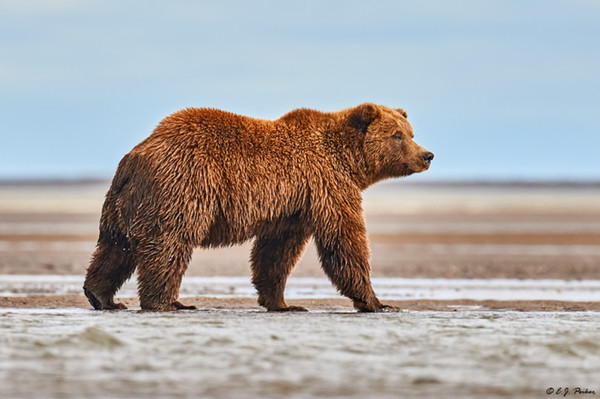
x=427 y=156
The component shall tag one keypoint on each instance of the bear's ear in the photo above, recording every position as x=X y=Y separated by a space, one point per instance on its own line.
x=402 y=112
x=362 y=116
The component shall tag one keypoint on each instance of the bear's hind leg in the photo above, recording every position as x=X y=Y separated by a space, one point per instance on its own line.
x=160 y=267
x=112 y=264
x=273 y=258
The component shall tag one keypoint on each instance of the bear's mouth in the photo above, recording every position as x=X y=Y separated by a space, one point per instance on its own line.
x=424 y=167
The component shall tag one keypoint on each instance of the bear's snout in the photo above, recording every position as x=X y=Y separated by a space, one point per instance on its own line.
x=427 y=157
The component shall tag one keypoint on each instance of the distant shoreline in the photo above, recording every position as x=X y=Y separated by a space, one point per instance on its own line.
x=507 y=184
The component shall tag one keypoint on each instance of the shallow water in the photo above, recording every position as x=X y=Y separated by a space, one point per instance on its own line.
x=321 y=287
x=74 y=353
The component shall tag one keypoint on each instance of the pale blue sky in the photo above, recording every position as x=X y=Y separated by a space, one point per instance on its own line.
x=496 y=89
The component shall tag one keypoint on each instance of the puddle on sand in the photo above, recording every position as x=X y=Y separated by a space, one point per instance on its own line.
x=73 y=353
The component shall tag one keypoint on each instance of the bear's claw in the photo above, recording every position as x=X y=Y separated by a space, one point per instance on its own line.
x=290 y=309
x=98 y=305
x=374 y=307
x=180 y=306
x=388 y=309
x=172 y=307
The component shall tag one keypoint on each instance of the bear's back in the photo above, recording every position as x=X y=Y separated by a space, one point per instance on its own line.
x=254 y=169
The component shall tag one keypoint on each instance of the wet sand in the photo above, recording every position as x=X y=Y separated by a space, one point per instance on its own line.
x=411 y=255
x=317 y=304
x=73 y=353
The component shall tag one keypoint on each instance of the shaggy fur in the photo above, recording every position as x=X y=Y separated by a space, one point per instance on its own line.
x=211 y=178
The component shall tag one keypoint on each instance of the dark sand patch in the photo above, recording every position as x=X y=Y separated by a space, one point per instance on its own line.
x=320 y=304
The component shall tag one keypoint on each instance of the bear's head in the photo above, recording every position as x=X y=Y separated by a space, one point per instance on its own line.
x=388 y=145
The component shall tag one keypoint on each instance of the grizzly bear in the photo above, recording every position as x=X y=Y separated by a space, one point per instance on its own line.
x=210 y=178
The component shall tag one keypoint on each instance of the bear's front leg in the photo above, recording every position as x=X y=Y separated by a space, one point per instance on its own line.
x=344 y=254
x=274 y=255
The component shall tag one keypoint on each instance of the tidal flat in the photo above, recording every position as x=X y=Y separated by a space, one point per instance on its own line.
x=470 y=353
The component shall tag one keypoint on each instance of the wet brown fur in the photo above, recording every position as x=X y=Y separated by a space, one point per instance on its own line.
x=209 y=178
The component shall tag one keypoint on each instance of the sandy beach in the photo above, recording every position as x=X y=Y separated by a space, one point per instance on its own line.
x=416 y=230
x=421 y=230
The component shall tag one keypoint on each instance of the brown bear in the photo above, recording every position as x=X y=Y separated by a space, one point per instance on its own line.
x=210 y=178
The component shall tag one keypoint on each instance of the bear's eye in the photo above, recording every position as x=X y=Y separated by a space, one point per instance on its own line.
x=397 y=137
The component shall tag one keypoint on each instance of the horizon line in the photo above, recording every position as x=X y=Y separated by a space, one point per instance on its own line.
x=501 y=182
